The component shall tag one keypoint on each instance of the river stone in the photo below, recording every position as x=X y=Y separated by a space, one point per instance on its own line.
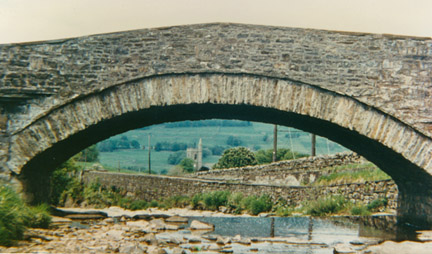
x=425 y=235
x=223 y=241
x=214 y=247
x=138 y=224
x=132 y=248
x=178 y=250
x=109 y=220
x=115 y=234
x=405 y=247
x=177 y=219
x=237 y=238
x=198 y=225
x=343 y=249
x=171 y=227
x=150 y=239
x=155 y=250
x=194 y=239
x=157 y=224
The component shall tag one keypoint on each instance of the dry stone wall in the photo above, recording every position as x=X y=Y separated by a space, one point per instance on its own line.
x=149 y=187
x=290 y=173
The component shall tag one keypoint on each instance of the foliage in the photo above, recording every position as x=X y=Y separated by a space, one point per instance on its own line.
x=373 y=206
x=90 y=154
x=62 y=180
x=111 y=145
x=177 y=170
x=255 y=205
x=12 y=225
x=15 y=216
x=170 y=146
x=234 y=202
x=175 y=158
x=236 y=157
x=377 y=203
x=360 y=210
x=284 y=211
x=38 y=216
x=137 y=205
x=187 y=164
x=266 y=156
x=217 y=150
x=234 y=141
x=350 y=176
x=327 y=205
x=215 y=199
x=176 y=201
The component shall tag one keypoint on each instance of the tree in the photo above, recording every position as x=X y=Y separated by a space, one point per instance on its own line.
x=135 y=144
x=187 y=164
x=90 y=154
x=266 y=156
x=236 y=157
x=176 y=158
x=217 y=150
x=234 y=141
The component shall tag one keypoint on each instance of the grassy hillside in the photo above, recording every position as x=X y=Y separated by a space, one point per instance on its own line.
x=253 y=137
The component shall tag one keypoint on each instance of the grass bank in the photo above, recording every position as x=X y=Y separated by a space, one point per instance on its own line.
x=16 y=216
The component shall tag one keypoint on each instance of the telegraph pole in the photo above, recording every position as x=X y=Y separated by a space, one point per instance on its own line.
x=149 y=155
x=275 y=143
x=313 y=144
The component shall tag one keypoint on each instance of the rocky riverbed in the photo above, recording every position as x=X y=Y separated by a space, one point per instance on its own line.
x=115 y=230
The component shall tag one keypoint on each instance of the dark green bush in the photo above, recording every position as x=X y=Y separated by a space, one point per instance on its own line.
x=153 y=203
x=236 y=157
x=138 y=205
x=213 y=200
x=360 y=210
x=376 y=204
x=234 y=202
x=327 y=205
x=196 y=201
x=255 y=205
x=38 y=216
x=176 y=201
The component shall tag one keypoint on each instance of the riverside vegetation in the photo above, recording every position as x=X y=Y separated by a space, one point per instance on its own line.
x=73 y=193
x=16 y=216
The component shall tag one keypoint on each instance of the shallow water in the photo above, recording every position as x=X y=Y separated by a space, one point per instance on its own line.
x=300 y=234
x=306 y=228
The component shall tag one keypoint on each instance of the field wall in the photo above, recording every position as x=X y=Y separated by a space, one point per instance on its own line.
x=149 y=187
x=288 y=173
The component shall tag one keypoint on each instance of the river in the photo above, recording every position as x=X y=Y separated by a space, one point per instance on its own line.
x=154 y=232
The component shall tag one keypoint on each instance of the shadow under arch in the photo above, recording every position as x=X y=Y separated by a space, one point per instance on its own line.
x=243 y=97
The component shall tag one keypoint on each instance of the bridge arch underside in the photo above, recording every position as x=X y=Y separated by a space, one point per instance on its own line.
x=396 y=148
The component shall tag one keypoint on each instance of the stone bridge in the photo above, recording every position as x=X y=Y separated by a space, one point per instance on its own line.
x=368 y=92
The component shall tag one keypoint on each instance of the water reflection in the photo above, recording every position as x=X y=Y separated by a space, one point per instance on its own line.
x=328 y=230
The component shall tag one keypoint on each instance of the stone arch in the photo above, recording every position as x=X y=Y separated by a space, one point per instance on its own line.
x=395 y=147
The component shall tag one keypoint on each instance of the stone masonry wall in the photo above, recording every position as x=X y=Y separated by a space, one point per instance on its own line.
x=148 y=187
x=388 y=72
x=290 y=173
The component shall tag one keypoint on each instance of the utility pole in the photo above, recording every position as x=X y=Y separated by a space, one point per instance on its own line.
x=275 y=143
x=149 y=154
x=313 y=144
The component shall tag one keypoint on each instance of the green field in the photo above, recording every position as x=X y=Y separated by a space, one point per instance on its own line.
x=252 y=137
